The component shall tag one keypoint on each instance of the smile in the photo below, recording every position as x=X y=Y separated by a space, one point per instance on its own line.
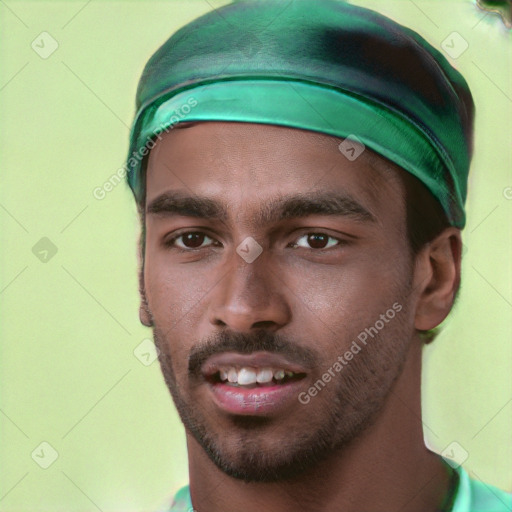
x=253 y=384
x=248 y=376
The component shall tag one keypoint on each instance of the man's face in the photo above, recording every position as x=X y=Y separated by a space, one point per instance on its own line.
x=334 y=261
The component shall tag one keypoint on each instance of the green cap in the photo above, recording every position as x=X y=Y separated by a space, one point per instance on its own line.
x=320 y=65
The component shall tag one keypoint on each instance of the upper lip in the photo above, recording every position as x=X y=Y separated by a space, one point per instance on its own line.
x=255 y=360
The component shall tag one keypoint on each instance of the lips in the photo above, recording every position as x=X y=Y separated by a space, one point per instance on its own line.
x=252 y=384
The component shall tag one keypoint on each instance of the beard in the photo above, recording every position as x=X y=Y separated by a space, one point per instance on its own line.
x=343 y=412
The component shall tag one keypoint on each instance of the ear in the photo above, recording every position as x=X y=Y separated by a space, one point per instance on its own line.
x=144 y=312
x=437 y=278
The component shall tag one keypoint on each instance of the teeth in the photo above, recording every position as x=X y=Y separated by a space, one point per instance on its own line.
x=264 y=375
x=279 y=374
x=247 y=376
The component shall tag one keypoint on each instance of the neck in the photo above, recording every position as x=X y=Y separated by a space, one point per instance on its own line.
x=387 y=467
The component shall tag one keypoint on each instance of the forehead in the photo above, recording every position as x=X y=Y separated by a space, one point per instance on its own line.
x=231 y=161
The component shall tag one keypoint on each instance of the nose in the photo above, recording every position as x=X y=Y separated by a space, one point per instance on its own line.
x=249 y=296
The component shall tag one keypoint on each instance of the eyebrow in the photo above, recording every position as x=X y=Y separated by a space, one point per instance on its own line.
x=171 y=204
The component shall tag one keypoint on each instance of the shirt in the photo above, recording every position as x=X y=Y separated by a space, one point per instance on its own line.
x=471 y=496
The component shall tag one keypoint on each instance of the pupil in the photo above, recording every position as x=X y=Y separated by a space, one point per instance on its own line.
x=317 y=241
x=193 y=239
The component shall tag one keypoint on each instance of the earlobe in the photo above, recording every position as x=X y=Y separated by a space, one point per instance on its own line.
x=437 y=278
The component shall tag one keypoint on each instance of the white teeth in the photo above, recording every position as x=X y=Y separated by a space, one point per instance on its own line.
x=232 y=375
x=264 y=375
x=279 y=374
x=247 y=376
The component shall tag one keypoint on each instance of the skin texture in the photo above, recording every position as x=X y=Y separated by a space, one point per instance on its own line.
x=307 y=298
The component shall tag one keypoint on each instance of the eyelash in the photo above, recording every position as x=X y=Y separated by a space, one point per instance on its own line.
x=171 y=243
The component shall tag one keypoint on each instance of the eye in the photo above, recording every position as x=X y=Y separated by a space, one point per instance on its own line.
x=190 y=240
x=316 y=241
x=194 y=240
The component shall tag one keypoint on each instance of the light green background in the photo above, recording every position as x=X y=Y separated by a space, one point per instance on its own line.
x=70 y=326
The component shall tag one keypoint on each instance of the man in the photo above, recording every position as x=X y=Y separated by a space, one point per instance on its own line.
x=301 y=239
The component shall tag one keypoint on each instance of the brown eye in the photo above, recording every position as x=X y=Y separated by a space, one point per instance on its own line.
x=193 y=240
x=190 y=240
x=317 y=241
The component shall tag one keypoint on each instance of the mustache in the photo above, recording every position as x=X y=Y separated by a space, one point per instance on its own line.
x=246 y=343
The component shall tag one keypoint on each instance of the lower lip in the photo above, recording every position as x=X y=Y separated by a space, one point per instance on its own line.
x=255 y=401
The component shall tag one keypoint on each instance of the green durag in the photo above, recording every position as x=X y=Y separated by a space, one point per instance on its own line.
x=320 y=65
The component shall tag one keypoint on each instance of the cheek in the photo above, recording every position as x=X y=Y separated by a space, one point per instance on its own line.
x=331 y=302
x=351 y=285
x=173 y=289
x=178 y=296
x=337 y=303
